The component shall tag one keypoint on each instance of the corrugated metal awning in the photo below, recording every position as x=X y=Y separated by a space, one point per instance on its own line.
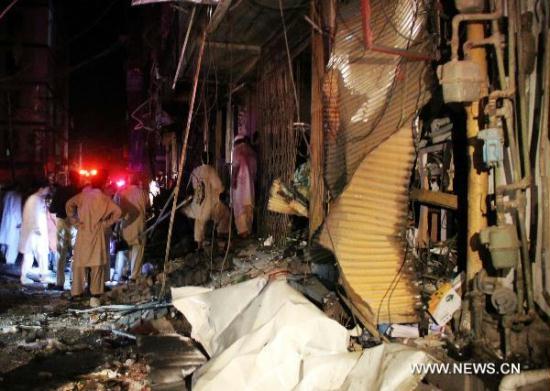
x=372 y=98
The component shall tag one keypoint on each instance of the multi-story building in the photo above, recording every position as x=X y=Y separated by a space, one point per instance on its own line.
x=33 y=92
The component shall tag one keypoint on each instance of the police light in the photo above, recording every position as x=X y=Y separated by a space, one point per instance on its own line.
x=88 y=173
x=120 y=183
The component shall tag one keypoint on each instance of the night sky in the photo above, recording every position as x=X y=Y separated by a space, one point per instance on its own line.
x=97 y=96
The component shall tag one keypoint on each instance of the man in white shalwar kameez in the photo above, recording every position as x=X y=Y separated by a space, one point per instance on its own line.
x=10 y=226
x=242 y=188
x=33 y=241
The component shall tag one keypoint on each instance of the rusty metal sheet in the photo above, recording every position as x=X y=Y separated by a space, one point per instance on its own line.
x=365 y=228
x=371 y=100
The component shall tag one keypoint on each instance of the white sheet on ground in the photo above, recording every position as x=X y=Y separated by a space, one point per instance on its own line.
x=270 y=337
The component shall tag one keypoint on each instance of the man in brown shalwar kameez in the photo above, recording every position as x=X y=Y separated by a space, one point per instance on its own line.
x=92 y=212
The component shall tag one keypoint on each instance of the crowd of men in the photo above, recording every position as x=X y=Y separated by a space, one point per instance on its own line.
x=76 y=219
x=99 y=226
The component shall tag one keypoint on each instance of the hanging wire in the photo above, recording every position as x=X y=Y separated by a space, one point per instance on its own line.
x=229 y=115
x=289 y=59
x=6 y=10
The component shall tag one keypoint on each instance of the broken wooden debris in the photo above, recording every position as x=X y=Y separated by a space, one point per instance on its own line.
x=286 y=201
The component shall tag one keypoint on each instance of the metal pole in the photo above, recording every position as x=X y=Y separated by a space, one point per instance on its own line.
x=184 y=47
x=183 y=157
x=478 y=180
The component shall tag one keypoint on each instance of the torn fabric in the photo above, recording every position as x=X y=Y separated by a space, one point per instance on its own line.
x=268 y=336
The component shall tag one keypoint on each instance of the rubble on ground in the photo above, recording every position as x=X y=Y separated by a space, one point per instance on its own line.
x=135 y=341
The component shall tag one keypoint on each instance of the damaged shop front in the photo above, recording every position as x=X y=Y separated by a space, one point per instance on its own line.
x=401 y=211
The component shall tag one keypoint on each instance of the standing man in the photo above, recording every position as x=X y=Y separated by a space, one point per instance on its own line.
x=134 y=201
x=244 y=174
x=33 y=241
x=206 y=204
x=10 y=226
x=66 y=233
x=92 y=212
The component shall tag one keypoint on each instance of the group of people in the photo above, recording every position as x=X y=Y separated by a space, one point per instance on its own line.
x=85 y=216
x=206 y=204
x=78 y=217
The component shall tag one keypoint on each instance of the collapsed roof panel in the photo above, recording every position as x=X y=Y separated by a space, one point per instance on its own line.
x=255 y=22
x=244 y=31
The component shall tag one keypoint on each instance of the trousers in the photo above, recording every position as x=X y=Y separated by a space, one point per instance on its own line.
x=93 y=276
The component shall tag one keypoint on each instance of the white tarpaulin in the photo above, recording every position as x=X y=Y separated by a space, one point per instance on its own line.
x=268 y=336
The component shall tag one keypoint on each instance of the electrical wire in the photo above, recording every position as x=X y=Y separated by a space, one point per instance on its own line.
x=394 y=287
x=289 y=58
x=6 y=10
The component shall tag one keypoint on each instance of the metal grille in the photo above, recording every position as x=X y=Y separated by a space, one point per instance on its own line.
x=278 y=142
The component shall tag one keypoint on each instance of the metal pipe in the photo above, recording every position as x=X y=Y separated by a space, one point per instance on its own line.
x=544 y=180
x=478 y=180
x=507 y=89
x=164 y=207
x=182 y=54
x=515 y=381
x=523 y=120
x=525 y=257
x=123 y=334
x=506 y=112
x=455 y=38
x=163 y=217
x=183 y=156
x=499 y=52
x=507 y=326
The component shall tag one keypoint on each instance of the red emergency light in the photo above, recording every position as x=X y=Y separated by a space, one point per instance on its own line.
x=88 y=173
x=120 y=183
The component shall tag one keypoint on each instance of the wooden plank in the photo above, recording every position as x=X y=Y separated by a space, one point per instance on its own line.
x=435 y=198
